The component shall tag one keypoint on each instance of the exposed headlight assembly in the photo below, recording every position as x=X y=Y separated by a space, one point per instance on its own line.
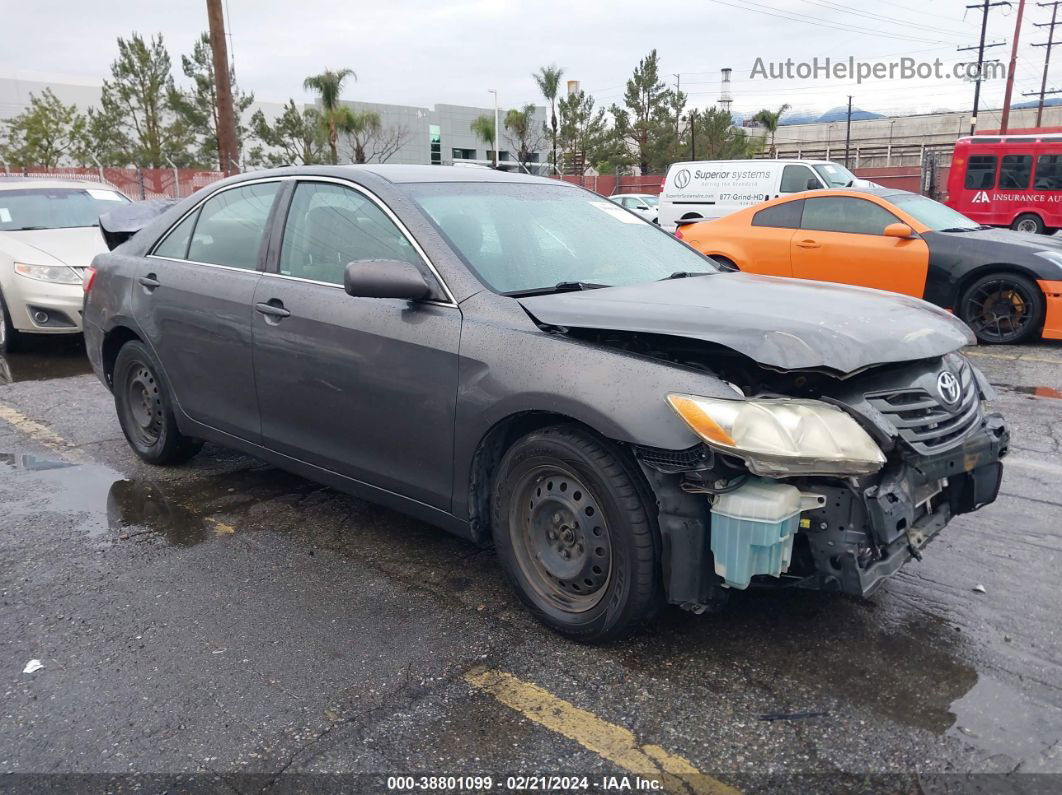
x=779 y=438
x=53 y=274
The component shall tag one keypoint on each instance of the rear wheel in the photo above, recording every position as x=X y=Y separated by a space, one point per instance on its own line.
x=1003 y=308
x=1029 y=222
x=9 y=337
x=144 y=407
x=572 y=530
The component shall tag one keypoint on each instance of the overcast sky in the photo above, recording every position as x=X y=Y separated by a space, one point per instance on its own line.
x=452 y=51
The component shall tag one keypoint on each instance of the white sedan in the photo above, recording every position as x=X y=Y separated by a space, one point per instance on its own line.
x=645 y=204
x=49 y=233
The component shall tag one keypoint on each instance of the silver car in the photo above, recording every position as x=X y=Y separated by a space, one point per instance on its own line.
x=49 y=233
x=644 y=204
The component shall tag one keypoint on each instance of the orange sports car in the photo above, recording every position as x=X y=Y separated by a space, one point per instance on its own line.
x=1006 y=285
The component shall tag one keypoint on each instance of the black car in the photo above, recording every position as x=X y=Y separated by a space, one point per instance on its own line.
x=522 y=362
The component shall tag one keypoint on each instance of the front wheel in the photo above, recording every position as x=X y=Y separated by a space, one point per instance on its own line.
x=9 y=337
x=145 y=408
x=1029 y=222
x=572 y=529
x=1003 y=308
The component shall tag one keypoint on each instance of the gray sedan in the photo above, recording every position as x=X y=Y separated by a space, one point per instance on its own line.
x=523 y=363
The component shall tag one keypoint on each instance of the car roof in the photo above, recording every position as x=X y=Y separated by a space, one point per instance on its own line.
x=400 y=174
x=16 y=183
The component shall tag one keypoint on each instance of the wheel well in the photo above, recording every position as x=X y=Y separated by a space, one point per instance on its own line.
x=687 y=216
x=492 y=447
x=112 y=343
x=985 y=270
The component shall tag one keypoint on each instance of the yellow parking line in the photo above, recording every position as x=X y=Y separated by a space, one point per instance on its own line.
x=38 y=432
x=614 y=743
x=1022 y=357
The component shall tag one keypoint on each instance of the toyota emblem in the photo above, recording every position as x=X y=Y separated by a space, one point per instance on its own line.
x=682 y=178
x=948 y=386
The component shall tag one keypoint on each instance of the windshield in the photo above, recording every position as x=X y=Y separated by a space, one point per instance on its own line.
x=55 y=208
x=835 y=176
x=932 y=213
x=518 y=237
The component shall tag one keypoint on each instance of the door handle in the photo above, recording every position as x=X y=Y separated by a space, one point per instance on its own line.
x=809 y=244
x=272 y=309
x=149 y=282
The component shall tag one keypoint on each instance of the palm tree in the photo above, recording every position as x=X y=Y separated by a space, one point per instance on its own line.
x=335 y=117
x=548 y=79
x=483 y=128
x=770 y=119
x=361 y=126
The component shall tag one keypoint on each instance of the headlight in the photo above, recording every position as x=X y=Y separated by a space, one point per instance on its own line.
x=778 y=437
x=53 y=274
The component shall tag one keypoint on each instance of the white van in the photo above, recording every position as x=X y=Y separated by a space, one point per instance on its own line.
x=713 y=188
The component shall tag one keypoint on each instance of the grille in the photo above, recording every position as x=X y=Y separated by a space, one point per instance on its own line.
x=696 y=457
x=924 y=421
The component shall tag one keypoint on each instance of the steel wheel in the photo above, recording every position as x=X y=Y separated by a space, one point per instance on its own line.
x=1028 y=223
x=1002 y=308
x=144 y=404
x=561 y=539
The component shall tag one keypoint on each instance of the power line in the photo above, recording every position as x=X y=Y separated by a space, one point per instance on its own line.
x=985 y=7
x=1048 y=46
x=906 y=23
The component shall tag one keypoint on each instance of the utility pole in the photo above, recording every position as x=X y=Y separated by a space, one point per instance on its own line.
x=848 y=132
x=693 y=134
x=1047 y=56
x=227 y=149
x=984 y=6
x=494 y=91
x=678 y=112
x=1010 y=70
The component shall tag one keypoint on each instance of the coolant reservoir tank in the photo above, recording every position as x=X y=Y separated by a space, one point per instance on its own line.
x=752 y=530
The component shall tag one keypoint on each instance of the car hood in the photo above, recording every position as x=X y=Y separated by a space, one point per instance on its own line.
x=75 y=246
x=1022 y=240
x=786 y=324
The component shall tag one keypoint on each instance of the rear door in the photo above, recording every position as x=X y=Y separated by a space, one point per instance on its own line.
x=193 y=299
x=841 y=239
x=366 y=387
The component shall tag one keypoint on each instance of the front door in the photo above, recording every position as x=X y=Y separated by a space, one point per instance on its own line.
x=841 y=239
x=366 y=387
x=193 y=299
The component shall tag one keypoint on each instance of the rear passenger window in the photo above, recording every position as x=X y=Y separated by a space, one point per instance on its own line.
x=329 y=226
x=175 y=244
x=231 y=226
x=781 y=216
x=981 y=172
x=1014 y=172
x=1049 y=172
x=855 y=216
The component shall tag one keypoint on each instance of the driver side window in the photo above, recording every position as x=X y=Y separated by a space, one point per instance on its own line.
x=329 y=226
x=855 y=216
x=795 y=179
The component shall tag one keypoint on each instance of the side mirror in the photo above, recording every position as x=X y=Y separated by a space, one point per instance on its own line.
x=902 y=231
x=385 y=278
x=813 y=184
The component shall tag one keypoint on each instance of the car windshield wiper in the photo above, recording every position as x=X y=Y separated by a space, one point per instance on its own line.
x=27 y=228
x=964 y=228
x=559 y=287
x=686 y=275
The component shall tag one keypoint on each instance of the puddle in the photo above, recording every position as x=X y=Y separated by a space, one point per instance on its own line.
x=1033 y=391
x=99 y=501
x=45 y=359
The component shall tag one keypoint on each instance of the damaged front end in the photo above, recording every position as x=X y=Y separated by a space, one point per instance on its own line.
x=811 y=480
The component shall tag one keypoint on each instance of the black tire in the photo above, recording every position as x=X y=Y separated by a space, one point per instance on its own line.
x=10 y=338
x=572 y=529
x=1003 y=308
x=725 y=264
x=1029 y=222
x=144 y=405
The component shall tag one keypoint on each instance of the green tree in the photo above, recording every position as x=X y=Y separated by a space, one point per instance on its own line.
x=483 y=128
x=45 y=134
x=361 y=129
x=647 y=121
x=548 y=79
x=137 y=98
x=718 y=139
x=769 y=120
x=104 y=140
x=198 y=107
x=522 y=133
x=334 y=116
x=583 y=134
x=296 y=137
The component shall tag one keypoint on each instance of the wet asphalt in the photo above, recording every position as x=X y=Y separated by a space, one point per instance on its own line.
x=251 y=630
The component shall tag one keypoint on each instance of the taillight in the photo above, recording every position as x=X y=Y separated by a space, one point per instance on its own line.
x=87 y=279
